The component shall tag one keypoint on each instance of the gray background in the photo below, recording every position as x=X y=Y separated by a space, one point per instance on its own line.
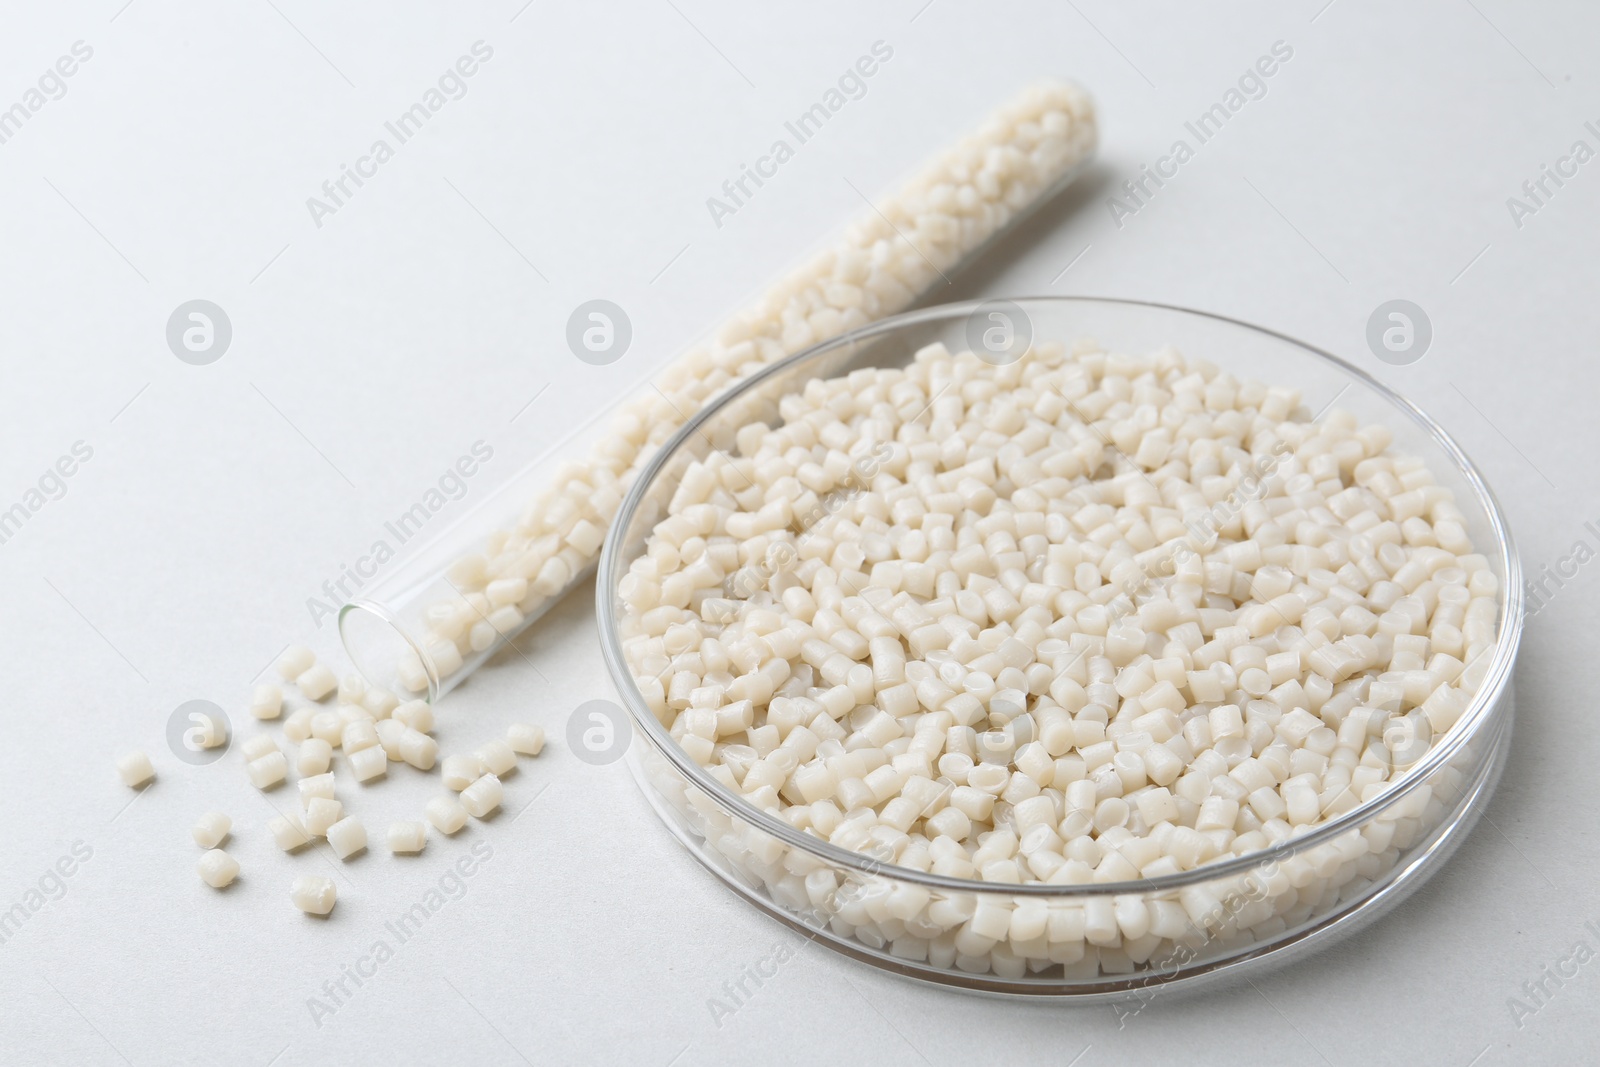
x=369 y=353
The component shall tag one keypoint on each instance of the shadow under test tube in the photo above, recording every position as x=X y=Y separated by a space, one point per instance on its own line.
x=427 y=625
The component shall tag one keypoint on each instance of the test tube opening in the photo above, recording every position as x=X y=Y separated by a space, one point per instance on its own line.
x=385 y=654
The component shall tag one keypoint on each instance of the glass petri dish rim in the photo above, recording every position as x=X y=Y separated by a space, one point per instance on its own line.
x=1484 y=703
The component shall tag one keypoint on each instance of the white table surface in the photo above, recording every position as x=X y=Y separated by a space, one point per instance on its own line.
x=369 y=352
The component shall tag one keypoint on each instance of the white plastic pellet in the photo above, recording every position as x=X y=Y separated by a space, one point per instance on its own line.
x=525 y=740
x=368 y=763
x=462 y=770
x=288 y=831
x=313 y=786
x=321 y=813
x=352 y=687
x=359 y=734
x=390 y=731
x=417 y=714
x=134 y=769
x=497 y=757
x=210 y=829
x=314 y=894
x=266 y=702
x=407 y=837
x=297 y=727
x=446 y=814
x=347 y=837
x=256 y=746
x=379 y=702
x=328 y=726
x=295 y=661
x=218 y=869
x=482 y=796
x=353 y=713
x=316 y=682
x=267 y=771
x=413 y=676
x=313 y=757
x=418 y=749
